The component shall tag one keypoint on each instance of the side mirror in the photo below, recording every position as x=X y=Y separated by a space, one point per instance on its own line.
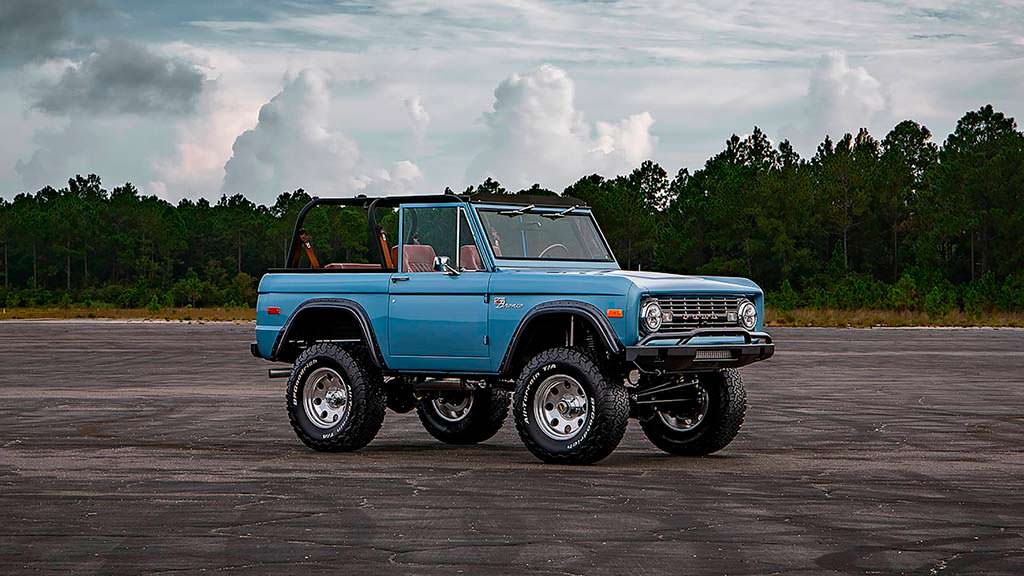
x=441 y=264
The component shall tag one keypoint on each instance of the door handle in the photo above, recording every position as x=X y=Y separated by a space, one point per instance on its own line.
x=399 y=279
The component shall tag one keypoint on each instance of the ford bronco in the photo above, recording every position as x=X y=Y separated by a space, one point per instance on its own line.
x=487 y=300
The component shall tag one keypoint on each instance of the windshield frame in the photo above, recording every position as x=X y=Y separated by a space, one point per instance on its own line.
x=533 y=260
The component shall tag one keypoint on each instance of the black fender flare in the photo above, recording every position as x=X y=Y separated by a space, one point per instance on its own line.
x=587 y=310
x=350 y=306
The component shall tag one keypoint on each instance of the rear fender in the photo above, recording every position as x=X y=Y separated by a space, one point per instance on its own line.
x=306 y=313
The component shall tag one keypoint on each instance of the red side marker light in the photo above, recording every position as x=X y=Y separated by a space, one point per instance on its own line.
x=273 y=309
x=615 y=312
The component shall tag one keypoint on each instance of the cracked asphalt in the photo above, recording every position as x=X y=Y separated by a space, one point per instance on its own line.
x=130 y=448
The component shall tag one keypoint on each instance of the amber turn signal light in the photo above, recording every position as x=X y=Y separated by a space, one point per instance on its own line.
x=615 y=312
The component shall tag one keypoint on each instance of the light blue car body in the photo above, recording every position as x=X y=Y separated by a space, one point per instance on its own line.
x=432 y=322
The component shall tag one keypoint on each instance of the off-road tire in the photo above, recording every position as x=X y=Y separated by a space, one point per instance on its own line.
x=608 y=406
x=365 y=412
x=485 y=417
x=727 y=407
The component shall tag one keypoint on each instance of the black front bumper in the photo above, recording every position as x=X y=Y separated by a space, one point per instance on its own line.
x=682 y=357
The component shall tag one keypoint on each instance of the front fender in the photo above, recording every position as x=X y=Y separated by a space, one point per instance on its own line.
x=586 y=310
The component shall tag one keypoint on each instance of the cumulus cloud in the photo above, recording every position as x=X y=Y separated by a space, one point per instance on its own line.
x=403 y=177
x=841 y=98
x=536 y=134
x=293 y=146
x=630 y=138
x=418 y=115
x=125 y=77
x=36 y=29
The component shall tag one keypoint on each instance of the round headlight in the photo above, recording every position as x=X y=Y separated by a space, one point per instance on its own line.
x=746 y=313
x=650 y=315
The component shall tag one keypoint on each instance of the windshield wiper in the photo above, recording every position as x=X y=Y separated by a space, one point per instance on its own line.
x=561 y=214
x=517 y=211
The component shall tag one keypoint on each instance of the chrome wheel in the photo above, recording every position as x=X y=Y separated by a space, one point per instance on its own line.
x=561 y=407
x=686 y=416
x=326 y=398
x=453 y=406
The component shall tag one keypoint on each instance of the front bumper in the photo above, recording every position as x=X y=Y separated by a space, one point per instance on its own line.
x=683 y=356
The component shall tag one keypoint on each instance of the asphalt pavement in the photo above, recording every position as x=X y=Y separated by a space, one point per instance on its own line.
x=130 y=448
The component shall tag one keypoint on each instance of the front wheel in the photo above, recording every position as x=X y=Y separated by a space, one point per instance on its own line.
x=464 y=417
x=567 y=411
x=701 y=418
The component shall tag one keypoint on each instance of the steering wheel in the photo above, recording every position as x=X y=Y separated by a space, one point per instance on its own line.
x=553 y=246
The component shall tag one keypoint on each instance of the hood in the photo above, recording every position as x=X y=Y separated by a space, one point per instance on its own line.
x=614 y=281
x=660 y=282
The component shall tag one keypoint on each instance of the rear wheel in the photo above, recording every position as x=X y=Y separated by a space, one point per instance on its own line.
x=464 y=417
x=335 y=399
x=699 y=417
x=567 y=411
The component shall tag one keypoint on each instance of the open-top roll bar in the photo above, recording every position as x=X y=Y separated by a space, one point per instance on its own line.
x=371 y=204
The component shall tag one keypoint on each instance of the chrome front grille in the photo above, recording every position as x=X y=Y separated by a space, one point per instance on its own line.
x=689 y=312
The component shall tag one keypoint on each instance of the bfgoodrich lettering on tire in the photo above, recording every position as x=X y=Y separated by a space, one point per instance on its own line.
x=566 y=410
x=335 y=398
x=706 y=423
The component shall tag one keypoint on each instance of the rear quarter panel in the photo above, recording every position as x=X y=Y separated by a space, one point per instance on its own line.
x=289 y=290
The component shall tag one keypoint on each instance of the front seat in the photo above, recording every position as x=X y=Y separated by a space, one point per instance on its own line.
x=469 y=258
x=418 y=258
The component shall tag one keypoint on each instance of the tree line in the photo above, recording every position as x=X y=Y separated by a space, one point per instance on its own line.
x=901 y=223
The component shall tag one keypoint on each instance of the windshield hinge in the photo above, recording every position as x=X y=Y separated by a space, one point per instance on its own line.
x=517 y=211
x=561 y=214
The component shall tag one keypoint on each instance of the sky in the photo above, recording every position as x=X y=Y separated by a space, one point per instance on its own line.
x=192 y=99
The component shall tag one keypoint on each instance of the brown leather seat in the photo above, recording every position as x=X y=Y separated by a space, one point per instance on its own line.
x=469 y=259
x=351 y=266
x=418 y=258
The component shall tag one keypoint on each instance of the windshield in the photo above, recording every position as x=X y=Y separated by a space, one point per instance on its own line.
x=524 y=234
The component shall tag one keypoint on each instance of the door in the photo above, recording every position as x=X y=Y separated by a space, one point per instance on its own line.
x=437 y=318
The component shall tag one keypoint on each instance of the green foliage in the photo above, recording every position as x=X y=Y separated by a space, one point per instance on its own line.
x=941 y=300
x=786 y=298
x=901 y=223
x=903 y=295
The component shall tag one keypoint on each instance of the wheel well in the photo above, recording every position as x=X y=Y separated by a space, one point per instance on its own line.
x=319 y=324
x=554 y=329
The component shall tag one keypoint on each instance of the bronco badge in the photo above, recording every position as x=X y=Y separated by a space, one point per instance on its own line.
x=501 y=304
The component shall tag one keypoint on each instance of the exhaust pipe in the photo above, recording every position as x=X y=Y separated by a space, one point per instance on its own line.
x=279 y=372
x=442 y=385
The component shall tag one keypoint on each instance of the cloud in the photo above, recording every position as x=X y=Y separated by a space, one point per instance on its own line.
x=293 y=146
x=404 y=177
x=536 y=134
x=120 y=145
x=418 y=115
x=842 y=99
x=125 y=77
x=36 y=29
x=631 y=138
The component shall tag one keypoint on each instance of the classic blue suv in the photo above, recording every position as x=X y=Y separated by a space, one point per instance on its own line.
x=487 y=299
